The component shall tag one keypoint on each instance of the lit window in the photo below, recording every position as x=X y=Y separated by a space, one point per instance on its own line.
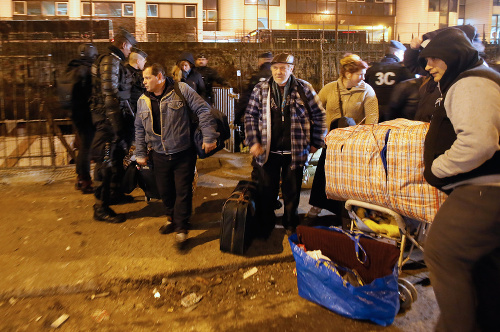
x=62 y=8
x=86 y=9
x=211 y=16
x=19 y=7
x=152 y=10
x=48 y=8
x=128 y=9
x=190 y=11
x=204 y=16
x=107 y=9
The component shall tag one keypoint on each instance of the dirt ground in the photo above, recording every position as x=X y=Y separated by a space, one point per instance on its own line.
x=47 y=230
x=266 y=301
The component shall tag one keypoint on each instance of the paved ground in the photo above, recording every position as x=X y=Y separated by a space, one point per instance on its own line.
x=49 y=243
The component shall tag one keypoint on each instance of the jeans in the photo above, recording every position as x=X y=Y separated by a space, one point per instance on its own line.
x=174 y=178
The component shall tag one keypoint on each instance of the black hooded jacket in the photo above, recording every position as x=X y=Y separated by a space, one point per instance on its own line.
x=462 y=60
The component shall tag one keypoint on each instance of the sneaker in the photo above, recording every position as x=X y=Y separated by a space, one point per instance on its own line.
x=106 y=214
x=180 y=240
x=168 y=228
x=313 y=212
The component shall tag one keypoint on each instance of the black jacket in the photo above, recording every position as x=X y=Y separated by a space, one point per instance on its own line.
x=210 y=75
x=137 y=88
x=383 y=77
x=404 y=99
x=80 y=101
x=195 y=81
x=262 y=74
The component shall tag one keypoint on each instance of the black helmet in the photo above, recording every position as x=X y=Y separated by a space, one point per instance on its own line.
x=88 y=50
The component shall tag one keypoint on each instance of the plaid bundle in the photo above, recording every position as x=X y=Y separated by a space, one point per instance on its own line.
x=382 y=164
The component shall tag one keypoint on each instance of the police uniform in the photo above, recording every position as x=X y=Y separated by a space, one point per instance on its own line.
x=383 y=77
x=111 y=85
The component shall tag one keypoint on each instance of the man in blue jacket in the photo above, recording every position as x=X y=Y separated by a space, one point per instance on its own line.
x=163 y=124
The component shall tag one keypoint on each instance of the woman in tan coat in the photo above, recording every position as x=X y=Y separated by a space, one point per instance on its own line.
x=348 y=96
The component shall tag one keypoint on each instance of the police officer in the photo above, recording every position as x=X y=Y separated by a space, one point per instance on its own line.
x=210 y=75
x=384 y=75
x=111 y=84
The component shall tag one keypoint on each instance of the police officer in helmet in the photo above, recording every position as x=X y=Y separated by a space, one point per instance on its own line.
x=110 y=105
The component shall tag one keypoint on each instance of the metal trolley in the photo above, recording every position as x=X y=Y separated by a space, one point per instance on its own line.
x=409 y=230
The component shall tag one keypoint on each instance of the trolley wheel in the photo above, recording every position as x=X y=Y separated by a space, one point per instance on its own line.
x=405 y=299
x=410 y=287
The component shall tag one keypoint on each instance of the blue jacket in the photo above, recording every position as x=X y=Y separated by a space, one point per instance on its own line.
x=175 y=123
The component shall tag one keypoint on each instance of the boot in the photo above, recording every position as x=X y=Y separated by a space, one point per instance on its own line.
x=85 y=186
x=106 y=214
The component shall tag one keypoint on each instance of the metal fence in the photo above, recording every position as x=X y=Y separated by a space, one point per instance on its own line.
x=36 y=132
x=31 y=132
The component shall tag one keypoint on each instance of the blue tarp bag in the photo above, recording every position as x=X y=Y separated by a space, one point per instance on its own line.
x=332 y=286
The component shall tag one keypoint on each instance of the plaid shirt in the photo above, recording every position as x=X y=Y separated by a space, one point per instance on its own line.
x=307 y=127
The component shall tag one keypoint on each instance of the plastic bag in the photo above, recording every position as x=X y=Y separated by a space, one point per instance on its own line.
x=323 y=284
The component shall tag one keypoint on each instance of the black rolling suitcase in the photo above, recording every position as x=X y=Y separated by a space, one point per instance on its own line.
x=147 y=182
x=238 y=215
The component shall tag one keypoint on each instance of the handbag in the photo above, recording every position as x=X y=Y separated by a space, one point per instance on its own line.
x=222 y=127
x=360 y=282
x=343 y=121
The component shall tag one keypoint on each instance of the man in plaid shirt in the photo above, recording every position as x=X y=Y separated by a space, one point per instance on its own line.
x=284 y=122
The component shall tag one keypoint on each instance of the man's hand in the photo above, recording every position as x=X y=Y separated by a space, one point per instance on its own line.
x=313 y=149
x=415 y=43
x=207 y=147
x=256 y=150
x=141 y=161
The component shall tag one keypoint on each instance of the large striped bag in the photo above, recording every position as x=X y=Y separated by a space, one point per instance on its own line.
x=382 y=164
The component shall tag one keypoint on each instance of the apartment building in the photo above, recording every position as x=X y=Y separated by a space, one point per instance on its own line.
x=231 y=20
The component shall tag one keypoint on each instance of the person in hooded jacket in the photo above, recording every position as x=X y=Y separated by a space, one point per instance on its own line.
x=184 y=71
x=428 y=93
x=81 y=116
x=462 y=158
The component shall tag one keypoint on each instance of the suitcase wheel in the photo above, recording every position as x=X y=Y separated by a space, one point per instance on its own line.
x=405 y=299
x=147 y=199
x=410 y=287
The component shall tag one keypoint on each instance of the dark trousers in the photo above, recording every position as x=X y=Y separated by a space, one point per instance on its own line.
x=174 y=178
x=465 y=230
x=318 y=193
x=278 y=167
x=108 y=177
x=85 y=134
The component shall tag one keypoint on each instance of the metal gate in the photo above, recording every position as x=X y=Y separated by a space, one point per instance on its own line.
x=224 y=100
x=31 y=123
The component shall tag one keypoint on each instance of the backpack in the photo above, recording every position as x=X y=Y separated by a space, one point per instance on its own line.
x=222 y=127
x=75 y=78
